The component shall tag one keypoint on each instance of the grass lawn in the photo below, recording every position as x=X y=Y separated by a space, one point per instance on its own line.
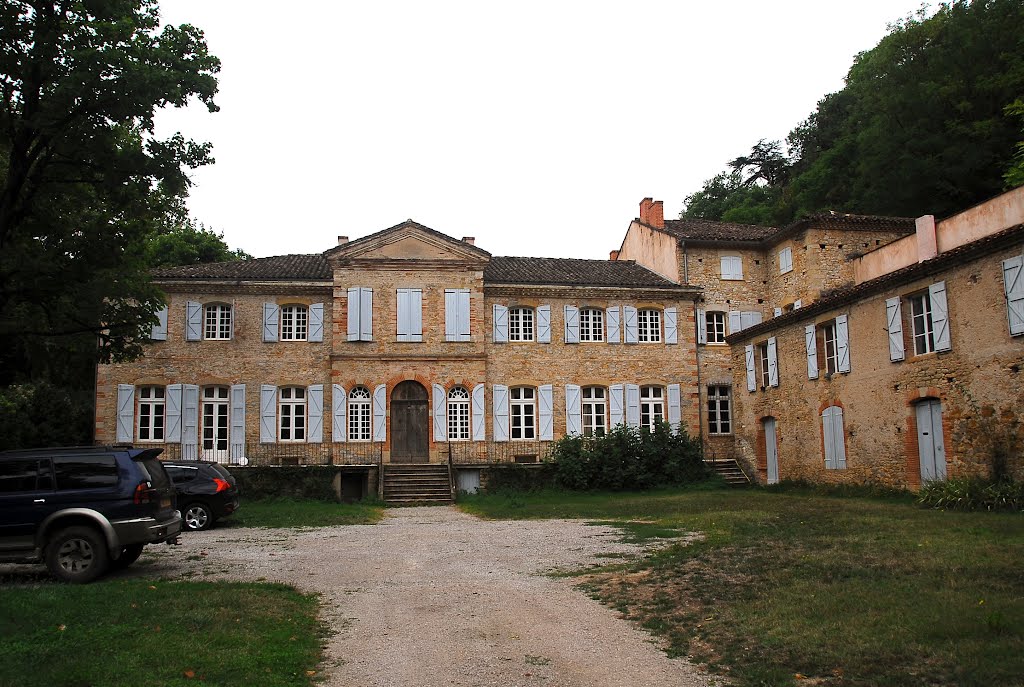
x=303 y=513
x=154 y=633
x=792 y=587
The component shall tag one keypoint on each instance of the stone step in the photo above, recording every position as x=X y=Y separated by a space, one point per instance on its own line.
x=416 y=483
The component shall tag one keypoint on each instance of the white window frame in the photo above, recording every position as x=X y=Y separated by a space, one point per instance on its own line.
x=921 y=327
x=594 y=404
x=360 y=414
x=763 y=366
x=152 y=408
x=591 y=325
x=219 y=396
x=652 y=406
x=830 y=347
x=732 y=267
x=458 y=414
x=715 y=322
x=217 y=321
x=785 y=260
x=522 y=410
x=521 y=322
x=294 y=322
x=719 y=410
x=648 y=325
x=291 y=414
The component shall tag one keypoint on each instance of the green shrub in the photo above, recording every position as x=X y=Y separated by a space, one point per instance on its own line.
x=40 y=414
x=518 y=478
x=627 y=458
x=973 y=494
x=268 y=482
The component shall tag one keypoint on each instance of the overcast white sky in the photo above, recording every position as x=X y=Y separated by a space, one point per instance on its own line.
x=536 y=127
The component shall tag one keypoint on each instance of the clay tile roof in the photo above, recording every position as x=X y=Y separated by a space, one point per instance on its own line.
x=279 y=268
x=572 y=272
x=855 y=222
x=712 y=230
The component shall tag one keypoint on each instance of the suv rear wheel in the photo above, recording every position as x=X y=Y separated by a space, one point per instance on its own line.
x=197 y=516
x=129 y=554
x=77 y=554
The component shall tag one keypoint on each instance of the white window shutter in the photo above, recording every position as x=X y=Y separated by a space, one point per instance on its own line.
x=776 y=312
x=410 y=315
x=172 y=413
x=573 y=410
x=380 y=420
x=353 y=313
x=271 y=321
x=500 y=324
x=1013 y=287
x=315 y=333
x=671 y=326
x=160 y=328
x=572 y=324
x=843 y=343
x=749 y=319
x=545 y=413
x=440 y=401
x=479 y=416
x=193 y=321
x=797 y=304
x=675 y=407
x=268 y=414
x=237 y=445
x=544 y=323
x=464 y=332
x=940 y=316
x=315 y=413
x=451 y=315
x=751 y=375
x=365 y=314
x=404 y=318
x=894 y=323
x=811 y=345
x=633 y=405
x=611 y=316
x=190 y=422
x=702 y=327
x=499 y=412
x=630 y=325
x=735 y=321
x=339 y=402
x=615 y=405
x=828 y=438
x=773 y=362
x=125 y=413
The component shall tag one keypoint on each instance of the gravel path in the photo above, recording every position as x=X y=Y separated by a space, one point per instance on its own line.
x=431 y=596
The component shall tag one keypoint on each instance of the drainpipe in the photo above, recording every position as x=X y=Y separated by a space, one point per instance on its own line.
x=700 y=385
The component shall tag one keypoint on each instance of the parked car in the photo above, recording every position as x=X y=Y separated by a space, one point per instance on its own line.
x=206 y=492
x=84 y=510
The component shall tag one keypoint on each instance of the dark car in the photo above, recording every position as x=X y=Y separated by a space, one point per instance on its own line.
x=206 y=492
x=84 y=510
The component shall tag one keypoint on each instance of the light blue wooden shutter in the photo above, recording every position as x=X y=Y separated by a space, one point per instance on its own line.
x=544 y=324
x=190 y=422
x=479 y=415
x=735 y=321
x=160 y=328
x=940 y=316
x=1013 y=287
x=843 y=343
x=365 y=314
x=811 y=345
x=237 y=446
x=545 y=412
x=338 y=406
x=833 y=435
x=456 y=315
x=749 y=319
x=572 y=324
x=776 y=312
x=671 y=327
x=271 y=321
x=315 y=413
x=316 y=323
x=125 y=413
x=573 y=409
x=268 y=414
x=440 y=399
x=611 y=317
x=172 y=413
x=633 y=405
x=353 y=313
x=499 y=412
x=500 y=324
x=894 y=323
x=630 y=325
x=675 y=407
x=193 y=321
x=616 y=401
x=379 y=413
x=702 y=327
x=410 y=315
x=464 y=332
x=751 y=376
x=773 y=362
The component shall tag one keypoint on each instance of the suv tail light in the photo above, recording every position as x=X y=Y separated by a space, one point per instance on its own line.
x=145 y=493
x=221 y=485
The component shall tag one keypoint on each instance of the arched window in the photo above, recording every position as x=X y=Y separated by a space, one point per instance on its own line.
x=652 y=406
x=217 y=321
x=520 y=324
x=294 y=322
x=595 y=408
x=291 y=416
x=359 y=414
x=458 y=414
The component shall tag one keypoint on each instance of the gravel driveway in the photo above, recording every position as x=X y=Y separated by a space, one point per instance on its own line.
x=431 y=596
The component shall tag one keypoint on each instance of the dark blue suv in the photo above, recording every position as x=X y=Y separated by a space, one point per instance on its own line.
x=85 y=510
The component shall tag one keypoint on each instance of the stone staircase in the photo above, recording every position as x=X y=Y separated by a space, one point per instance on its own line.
x=416 y=483
x=730 y=471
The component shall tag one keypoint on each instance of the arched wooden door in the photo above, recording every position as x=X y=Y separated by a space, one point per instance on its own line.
x=409 y=423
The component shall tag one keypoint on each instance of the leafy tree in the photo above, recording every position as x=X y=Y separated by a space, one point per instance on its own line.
x=729 y=198
x=84 y=184
x=1015 y=174
x=189 y=244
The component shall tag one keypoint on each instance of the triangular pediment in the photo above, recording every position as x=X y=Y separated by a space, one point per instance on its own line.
x=408 y=241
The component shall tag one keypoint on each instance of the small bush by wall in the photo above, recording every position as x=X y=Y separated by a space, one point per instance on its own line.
x=973 y=494
x=264 y=482
x=515 y=477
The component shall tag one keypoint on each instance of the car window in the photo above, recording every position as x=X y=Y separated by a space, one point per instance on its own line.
x=155 y=471
x=28 y=474
x=85 y=472
x=222 y=471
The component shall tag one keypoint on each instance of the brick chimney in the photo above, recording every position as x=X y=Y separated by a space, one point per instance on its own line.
x=471 y=240
x=342 y=240
x=613 y=255
x=652 y=213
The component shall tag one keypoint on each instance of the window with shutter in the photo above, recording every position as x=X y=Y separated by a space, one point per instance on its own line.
x=649 y=325
x=714 y=324
x=478 y=418
x=339 y=403
x=292 y=414
x=833 y=437
x=520 y=324
x=237 y=445
x=616 y=405
x=500 y=333
x=633 y=405
x=612 y=316
x=456 y=315
x=380 y=412
x=773 y=362
x=294 y=322
x=732 y=267
x=842 y=344
x=458 y=414
x=499 y=412
x=410 y=315
x=572 y=324
x=159 y=332
x=193 y=321
x=573 y=409
x=151 y=413
x=630 y=325
x=652 y=407
x=315 y=325
x=360 y=313
x=522 y=413
x=1013 y=287
x=271 y=322
x=735 y=321
x=940 y=316
x=785 y=260
x=671 y=327
x=315 y=413
x=811 y=345
x=439 y=402
x=125 y=413
x=545 y=412
x=675 y=407
x=751 y=368
x=268 y=414
x=217 y=321
x=544 y=324
x=894 y=325
x=360 y=415
x=591 y=324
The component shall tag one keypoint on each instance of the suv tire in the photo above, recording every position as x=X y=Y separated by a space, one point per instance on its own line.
x=197 y=516
x=77 y=555
x=129 y=554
